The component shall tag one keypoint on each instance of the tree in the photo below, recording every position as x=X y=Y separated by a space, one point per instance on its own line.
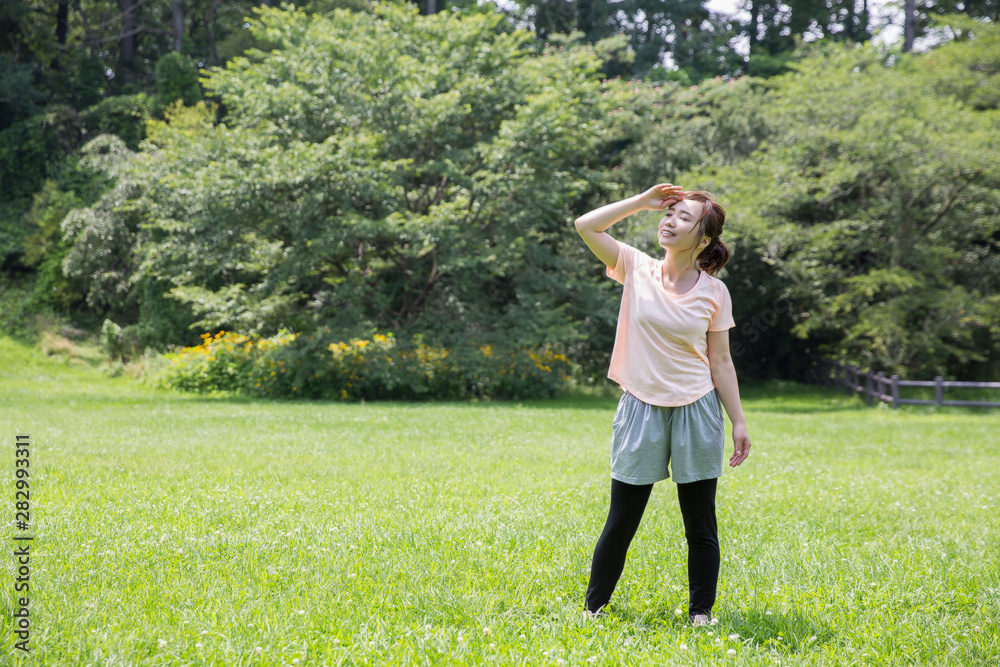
x=391 y=170
x=884 y=252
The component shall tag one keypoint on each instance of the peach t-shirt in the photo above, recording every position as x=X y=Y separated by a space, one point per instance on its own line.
x=661 y=344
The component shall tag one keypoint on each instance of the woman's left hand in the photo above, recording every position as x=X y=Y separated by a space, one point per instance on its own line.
x=741 y=445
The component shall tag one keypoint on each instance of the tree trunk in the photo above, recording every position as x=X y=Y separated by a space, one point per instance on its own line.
x=209 y=22
x=62 y=27
x=178 y=7
x=754 y=22
x=62 y=22
x=266 y=3
x=863 y=29
x=128 y=40
x=431 y=7
x=909 y=24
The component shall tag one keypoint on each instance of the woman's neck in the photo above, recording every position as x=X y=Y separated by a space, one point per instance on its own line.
x=677 y=266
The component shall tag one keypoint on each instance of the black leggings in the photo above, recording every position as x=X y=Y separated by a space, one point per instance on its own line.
x=628 y=502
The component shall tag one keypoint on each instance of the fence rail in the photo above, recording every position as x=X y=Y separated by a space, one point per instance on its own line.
x=880 y=387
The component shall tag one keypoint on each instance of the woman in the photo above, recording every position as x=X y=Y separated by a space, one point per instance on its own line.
x=671 y=359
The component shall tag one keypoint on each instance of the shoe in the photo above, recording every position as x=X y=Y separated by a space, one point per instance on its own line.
x=700 y=619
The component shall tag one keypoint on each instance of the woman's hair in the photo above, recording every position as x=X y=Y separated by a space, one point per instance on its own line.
x=716 y=253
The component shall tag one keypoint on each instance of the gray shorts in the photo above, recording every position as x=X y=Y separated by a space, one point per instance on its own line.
x=646 y=438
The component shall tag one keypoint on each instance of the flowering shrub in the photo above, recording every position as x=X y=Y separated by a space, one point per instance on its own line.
x=379 y=367
x=227 y=361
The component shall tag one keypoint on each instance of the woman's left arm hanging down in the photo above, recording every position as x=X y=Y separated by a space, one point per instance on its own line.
x=724 y=378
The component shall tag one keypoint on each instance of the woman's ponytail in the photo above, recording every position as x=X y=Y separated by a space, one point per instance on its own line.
x=714 y=257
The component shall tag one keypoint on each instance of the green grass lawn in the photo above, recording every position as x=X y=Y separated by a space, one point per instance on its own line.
x=184 y=530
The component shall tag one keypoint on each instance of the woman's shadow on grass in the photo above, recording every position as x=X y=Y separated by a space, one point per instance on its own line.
x=791 y=632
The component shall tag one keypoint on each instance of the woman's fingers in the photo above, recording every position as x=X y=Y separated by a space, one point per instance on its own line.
x=670 y=188
x=741 y=450
x=667 y=201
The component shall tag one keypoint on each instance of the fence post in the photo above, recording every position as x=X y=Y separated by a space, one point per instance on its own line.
x=852 y=389
x=868 y=387
x=895 y=392
x=826 y=373
x=879 y=381
x=939 y=390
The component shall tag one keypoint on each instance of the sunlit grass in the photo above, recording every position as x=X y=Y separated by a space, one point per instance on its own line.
x=175 y=529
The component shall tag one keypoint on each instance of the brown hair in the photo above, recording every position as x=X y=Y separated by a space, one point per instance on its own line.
x=716 y=253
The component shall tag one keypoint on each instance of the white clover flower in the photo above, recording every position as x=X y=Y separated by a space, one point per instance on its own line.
x=683 y=647
x=163 y=643
x=295 y=661
x=733 y=637
x=731 y=651
x=677 y=612
x=258 y=650
x=197 y=645
x=767 y=613
x=486 y=631
x=523 y=637
x=492 y=645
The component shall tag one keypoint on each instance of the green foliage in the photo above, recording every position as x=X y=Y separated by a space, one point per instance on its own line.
x=379 y=367
x=968 y=66
x=19 y=97
x=111 y=340
x=46 y=249
x=50 y=206
x=124 y=116
x=16 y=317
x=716 y=123
x=26 y=148
x=41 y=148
x=177 y=79
x=381 y=170
x=875 y=212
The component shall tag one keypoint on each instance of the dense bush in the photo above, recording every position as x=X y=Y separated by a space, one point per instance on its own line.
x=379 y=367
x=177 y=79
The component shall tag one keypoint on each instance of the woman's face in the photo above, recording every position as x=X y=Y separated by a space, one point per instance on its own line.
x=678 y=227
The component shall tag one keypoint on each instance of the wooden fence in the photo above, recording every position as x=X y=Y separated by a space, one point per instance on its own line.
x=879 y=387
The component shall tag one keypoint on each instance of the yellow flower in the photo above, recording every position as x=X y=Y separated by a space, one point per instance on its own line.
x=343 y=393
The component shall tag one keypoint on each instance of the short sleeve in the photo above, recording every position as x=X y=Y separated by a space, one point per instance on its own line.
x=723 y=318
x=628 y=259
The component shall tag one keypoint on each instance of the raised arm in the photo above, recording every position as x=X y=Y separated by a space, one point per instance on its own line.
x=592 y=226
